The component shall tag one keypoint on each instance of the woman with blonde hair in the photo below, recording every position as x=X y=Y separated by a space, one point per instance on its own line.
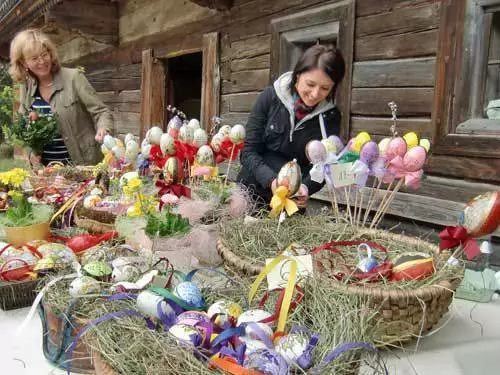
x=48 y=88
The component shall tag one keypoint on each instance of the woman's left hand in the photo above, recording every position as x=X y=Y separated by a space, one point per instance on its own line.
x=302 y=196
x=99 y=136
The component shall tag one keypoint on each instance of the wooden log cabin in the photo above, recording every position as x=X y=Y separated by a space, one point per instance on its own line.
x=439 y=60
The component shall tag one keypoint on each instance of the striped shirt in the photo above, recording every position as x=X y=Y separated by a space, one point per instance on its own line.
x=55 y=151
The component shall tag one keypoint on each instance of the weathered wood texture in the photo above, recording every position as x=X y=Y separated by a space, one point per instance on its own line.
x=215 y=4
x=210 y=83
x=382 y=125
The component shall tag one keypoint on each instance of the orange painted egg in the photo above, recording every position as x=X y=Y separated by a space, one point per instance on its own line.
x=412 y=266
x=481 y=216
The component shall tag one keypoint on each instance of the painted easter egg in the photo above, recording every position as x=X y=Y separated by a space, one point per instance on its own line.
x=117 y=151
x=414 y=159
x=267 y=361
x=189 y=293
x=329 y=145
x=224 y=312
x=237 y=134
x=216 y=142
x=396 y=147
x=192 y=318
x=146 y=150
x=109 y=141
x=369 y=152
x=205 y=156
x=225 y=130
x=359 y=141
x=91 y=201
x=481 y=216
x=200 y=137
x=290 y=176
x=127 y=177
x=84 y=285
x=337 y=141
x=412 y=266
x=193 y=124
x=124 y=270
x=131 y=150
x=148 y=303
x=186 y=135
x=167 y=144
x=425 y=143
x=98 y=269
x=255 y=316
x=173 y=169
x=316 y=151
x=291 y=347
x=7 y=250
x=155 y=135
x=185 y=334
x=47 y=264
x=411 y=140
x=62 y=252
x=130 y=137
x=173 y=126
x=382 y=145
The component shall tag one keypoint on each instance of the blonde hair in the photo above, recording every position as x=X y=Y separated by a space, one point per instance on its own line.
x=27 y=42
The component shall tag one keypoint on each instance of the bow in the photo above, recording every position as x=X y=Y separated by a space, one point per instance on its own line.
x=321 y=171
x=455 y=236
x=156 y=156
x=225 y=150
x=185 y=151
x=360 y=171
x=176 y=189
x=280 y=202
x=397 y=170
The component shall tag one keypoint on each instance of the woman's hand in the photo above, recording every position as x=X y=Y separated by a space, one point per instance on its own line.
x=99 y=136
x=302 y=196
x=35 y=160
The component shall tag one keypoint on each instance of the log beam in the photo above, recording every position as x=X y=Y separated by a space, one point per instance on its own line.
x=215 y=4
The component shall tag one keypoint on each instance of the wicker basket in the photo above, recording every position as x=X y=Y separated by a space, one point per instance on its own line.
x=16 y=295
x=92 y=226
x=94 y=220
x=412 y=311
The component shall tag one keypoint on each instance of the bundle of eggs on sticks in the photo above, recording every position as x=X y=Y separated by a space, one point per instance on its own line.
x=115 y=150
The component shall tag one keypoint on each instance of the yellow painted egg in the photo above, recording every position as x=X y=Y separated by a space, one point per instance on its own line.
x=360 y=140
x=330 y=146
x=411 y=140
x=383 y=144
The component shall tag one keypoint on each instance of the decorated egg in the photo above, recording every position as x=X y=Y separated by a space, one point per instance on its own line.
x=185 y=334
x=148 y=304
x=130 y=137
x=425 y=143
x=190 y=293
x=91 y=201
x=216 y=142
x=173 y=126
x=167 y=144
x=131 y=151
x=146 y=150
x=267 y=361
x=193 y=124
x=17 y=267
x=224 y=312
x=337 y=141
x=411 y=140
x=481 y=216
x=192 y=318
x=412 y=266
x=98 y=269
x=117 y=151
x=7 y=250
x=48 y=264
x=109 y=142
x=84 y=285
x=62 y=252
x=237 y=134
x=382 y=145
x=396 y=147
x=127 y=177
x=96 y=191
x=225 y=130
x=290 y=176
x=369 y=152
x=414 y=159
x=200 y=137
x=173 y=169
x=124 y=270
x=155 y=135
x=205 y=156
x=316 y=151
x=252 y=344
x=329 y=145
x=291 y=347
x=359 y=141
x=104 y=149
x=186 y=135
x=255 y=316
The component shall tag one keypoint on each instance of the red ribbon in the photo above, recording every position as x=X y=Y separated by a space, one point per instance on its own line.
x=298 y=299
x=185 y=151
x=176 y=189
x=156 y=156
x=454 y=236
x=225 y=151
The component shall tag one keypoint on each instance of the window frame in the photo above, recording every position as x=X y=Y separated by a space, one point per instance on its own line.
x=461 y=79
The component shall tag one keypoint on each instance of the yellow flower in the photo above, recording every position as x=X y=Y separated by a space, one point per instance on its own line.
x=135 y=210
x=5 y=178
x=15 y=177
x=134 y=183
x=14 y=194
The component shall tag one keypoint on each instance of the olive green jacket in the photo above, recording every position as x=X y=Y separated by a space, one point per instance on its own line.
x=79 y=113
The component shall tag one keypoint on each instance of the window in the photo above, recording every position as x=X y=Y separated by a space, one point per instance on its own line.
x=467 y=98
x=329 y=24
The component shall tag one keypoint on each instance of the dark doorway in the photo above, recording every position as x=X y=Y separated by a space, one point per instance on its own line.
x=183 y=84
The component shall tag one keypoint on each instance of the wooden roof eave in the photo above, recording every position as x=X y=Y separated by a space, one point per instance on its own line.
x=215 y=4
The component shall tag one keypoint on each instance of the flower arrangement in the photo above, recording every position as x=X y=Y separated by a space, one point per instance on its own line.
x=33 y=130
x=21 y=213
x=13 y=178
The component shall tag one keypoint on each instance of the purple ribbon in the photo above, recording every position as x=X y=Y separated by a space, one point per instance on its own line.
x=238 y=354
x=259 y=332
x=328 y=176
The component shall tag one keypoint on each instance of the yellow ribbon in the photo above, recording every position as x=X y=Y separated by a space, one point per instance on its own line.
x=214 y=171
x=68 y=203
x=280 y=202
x=290 y=287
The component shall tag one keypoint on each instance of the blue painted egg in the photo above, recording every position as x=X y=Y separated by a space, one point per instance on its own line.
x=189 y=293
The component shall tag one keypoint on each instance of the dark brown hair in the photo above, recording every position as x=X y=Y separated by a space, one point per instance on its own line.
x=325 y=57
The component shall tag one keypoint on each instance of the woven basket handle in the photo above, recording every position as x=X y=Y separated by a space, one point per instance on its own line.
x=11 y=260
x=5 y=248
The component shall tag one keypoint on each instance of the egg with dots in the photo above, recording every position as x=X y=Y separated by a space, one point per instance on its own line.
x=414 y=159
x=290 y=177
x=481 y=215
x=154 y=135
x=224 y=131
x=396 y=147
x=216 y=142
x=205 y=156
x=316 y=151
x=194 y=124
x=186 y=135
x=200 y=137
x=189 y=293
x=167 y=144
x=237 y=134
x=369 y=152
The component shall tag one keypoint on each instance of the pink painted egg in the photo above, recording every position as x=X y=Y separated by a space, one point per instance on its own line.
x=396 y=147
x=414 y=159
x=315 y=151
x=369 y=152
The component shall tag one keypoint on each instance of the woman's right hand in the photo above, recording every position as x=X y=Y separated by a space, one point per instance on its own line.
x=35 y=160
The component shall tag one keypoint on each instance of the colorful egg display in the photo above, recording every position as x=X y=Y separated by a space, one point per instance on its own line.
x=131 y=151
x=414 y=159
x=224 y=312
x=425 y=143
x=83 y=285
x=396 y=147
x=291 y=347
x=155 y=135
x=193 y=124
x=237 y=134
x=117 y=151
x=98 y=269
x=186 y=135
x=290 y=176
x=7 y=250
x=255 y=316
x=148 y=303
x=411 y=140
x=205 y=156
x=369 y=152
x=316 y=151
x=200 y=137
x=267 y=361
x=173 y=169
x=225 y=130
x=146 y=150
x=481 y=216
x=109 y=142
x=189 y=293
x=167 y=144
x=412 y=266
x=216 y=142
x=184 y=334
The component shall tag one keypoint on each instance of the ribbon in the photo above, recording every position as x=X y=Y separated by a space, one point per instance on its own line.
x=205 y=171
x=455 y=236
x=185 y=151
x=168 y=295
x=177 y=189
x=360 y=171
x=287 y=298
x=156 y=156
x=229 y=366
x=397 y=170
x=280 y=202
x=225 y=150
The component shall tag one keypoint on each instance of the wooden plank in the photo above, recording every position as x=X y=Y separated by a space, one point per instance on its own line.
x=250 y=47
x=251 y=63
x=414 y=72
x=479 y=126
x=234 y=118
x=381 y=126
x=410 y=101
x=121 y=97
x=399 y=21
x=479 y=169
x=125 y=107
x=116 y=84
x=242 y=102
x=146 y=92
x=127 y=122
x=368 y=7
x=113 y=72
x=252 y=80
x=210 y=84
x=396 y=46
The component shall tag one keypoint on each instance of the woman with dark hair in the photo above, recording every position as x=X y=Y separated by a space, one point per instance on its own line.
x=298 y=108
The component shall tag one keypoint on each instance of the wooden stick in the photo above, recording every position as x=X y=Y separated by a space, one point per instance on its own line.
x=355 y=213
x=358 y=221
x=229 y=164
x=377 y=221
x=371 y=200
x=382 y=201
x=333 y=201
x=347 y=196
